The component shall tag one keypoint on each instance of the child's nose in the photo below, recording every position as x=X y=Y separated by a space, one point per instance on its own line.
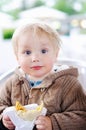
x=35 y=58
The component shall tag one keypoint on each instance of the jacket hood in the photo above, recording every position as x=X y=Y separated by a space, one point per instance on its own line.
x=62 y=70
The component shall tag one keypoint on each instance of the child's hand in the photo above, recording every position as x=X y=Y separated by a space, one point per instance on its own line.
x=8 y=123
x=43 y=123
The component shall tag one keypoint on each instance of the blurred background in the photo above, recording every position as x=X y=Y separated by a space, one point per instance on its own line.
x=68 y=17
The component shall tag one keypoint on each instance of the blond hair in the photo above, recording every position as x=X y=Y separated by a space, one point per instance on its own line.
x=37 y=28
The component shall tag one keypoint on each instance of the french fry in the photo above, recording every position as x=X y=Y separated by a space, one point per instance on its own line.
x=20 y=107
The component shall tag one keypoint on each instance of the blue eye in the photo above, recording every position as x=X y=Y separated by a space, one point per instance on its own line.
x=44 y=51
x=28 y=52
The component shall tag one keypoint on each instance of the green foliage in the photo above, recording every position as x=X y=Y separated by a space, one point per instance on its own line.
x=38 y=3
x=83 y=10
x=7 y=33
x=83 y=31
x=65 y=6
x=14 y=13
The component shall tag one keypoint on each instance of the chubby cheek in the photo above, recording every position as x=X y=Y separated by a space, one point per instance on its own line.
x=25 y=67
x=49 y=64
x=51 y=60
x=23 y=63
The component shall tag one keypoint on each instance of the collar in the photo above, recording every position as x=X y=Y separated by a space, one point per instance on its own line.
x=35 y=83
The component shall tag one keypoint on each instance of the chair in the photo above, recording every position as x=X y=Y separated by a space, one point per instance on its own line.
x=6 y=75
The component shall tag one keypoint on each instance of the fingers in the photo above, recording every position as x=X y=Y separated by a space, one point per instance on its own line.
x=40 y=123
x=43 y=123
x=8 y=123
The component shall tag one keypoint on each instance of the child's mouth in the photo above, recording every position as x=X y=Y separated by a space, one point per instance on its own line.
x=36 y=67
